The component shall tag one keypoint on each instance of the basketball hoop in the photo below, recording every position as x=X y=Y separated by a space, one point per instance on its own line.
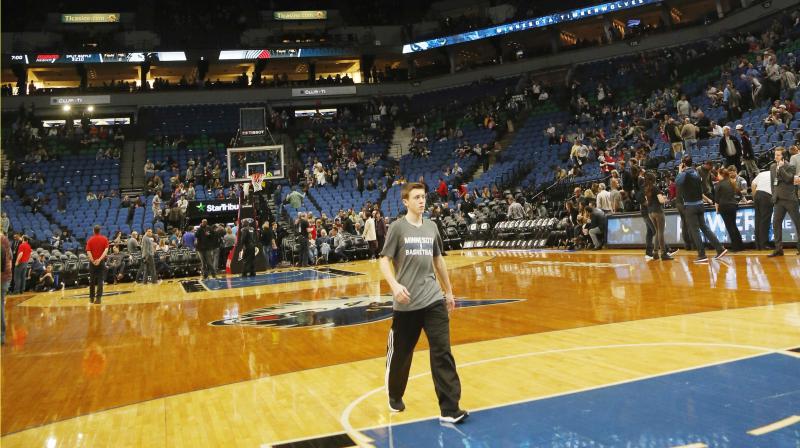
x=255 y=180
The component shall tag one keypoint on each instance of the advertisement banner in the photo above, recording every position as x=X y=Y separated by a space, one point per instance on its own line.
x=325 y=91
x=103 y=17
x=630 y=230
x=87 y=99
x=300 y=15
x=279 y=53
x=529 y=24
x=102 y=58
x=212 y=210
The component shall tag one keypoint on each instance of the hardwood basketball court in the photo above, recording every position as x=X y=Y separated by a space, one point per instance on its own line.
x=298 y=355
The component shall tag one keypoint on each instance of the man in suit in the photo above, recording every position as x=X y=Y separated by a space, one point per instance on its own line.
x=785 y=199
x=302 y=238
x=730 y=149
x=248 y=243
x=795 y=162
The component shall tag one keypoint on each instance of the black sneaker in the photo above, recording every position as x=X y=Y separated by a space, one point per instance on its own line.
x=396 y=405
x=702 y=259
x=777 y=253
x=454 y=417
x=672 y=252
x=721 y=254
x=666 y=257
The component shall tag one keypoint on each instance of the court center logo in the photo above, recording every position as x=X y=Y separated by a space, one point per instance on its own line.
x=340 y=312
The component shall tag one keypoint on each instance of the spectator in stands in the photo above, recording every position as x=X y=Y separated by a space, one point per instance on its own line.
x=339 y=244
x=789 y=81
x=730 y=148
x=90 y=196
x=156 y=207
x=175 y=238
x=46 y=282
x=133 y=243
x=442 y=190
x=515 y=209
x=117 y=239
x=149 y=169
x=683 y=106
x=21 y=265
x=370 y=236
x=579 y=153
x=295 y=199
x=61 y=202
x=604 y=199
x=36 y=270
x=5 y=223
x=748 y=156
x=7 y=272
x=606 y=160
x=616 y=199
x=595 y=228
x=116 y=265
x=784 y=115
x=689 y=134
x=773 y=119
x=672 y=131
x=726 y=191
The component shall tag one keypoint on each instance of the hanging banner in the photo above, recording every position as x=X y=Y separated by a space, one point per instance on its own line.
x=88 y=99
x=103 y=17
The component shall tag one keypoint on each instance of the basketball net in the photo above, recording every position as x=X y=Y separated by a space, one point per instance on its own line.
x=255 y=180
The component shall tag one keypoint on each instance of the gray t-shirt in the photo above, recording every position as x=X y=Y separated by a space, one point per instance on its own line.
x=148 y=246
x=133 y=245
x=412 y=250
x=229 y=239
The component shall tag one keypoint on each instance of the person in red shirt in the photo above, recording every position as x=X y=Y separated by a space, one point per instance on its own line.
x=96 y=250
x=442 y=190
x=6 y=281
x=21 y=265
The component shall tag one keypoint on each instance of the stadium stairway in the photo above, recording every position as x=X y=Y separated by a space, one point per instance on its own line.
x=400 y=142
x=131 y=170
x=504 y=142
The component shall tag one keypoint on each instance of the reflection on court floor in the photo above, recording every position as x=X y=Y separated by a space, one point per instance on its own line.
x=339 y=312
x=748 y=403
x=267 y=278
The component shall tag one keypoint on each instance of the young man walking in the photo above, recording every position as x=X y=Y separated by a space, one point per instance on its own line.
x=411 y=254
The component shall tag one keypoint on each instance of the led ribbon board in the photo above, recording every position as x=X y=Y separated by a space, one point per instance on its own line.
x=529 y=24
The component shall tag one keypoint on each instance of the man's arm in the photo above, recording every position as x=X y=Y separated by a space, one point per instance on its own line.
x=441 y=273
x=786 y=173
x=399 y=291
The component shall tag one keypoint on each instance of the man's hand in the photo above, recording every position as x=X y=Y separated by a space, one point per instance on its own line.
x=401 y=294
x=450 y=301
